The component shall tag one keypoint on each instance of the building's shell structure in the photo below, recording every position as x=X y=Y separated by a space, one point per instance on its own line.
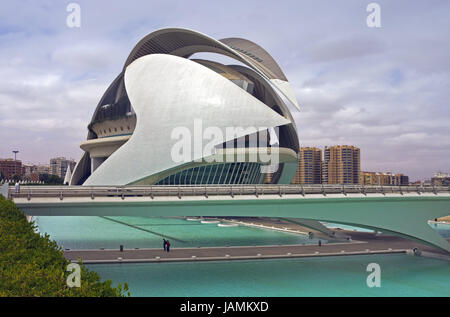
x=160 y=89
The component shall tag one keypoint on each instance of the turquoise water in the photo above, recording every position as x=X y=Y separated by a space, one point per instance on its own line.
x=141 y=232
x=401 y=275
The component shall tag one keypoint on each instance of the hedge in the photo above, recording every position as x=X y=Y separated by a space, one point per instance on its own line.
x=34 y=265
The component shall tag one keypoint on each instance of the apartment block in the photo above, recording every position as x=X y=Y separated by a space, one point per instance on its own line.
x=341 y=165
x=441 y=179
x=59 y=165
x=309 y=169
x=10 y=167
x=377 y=178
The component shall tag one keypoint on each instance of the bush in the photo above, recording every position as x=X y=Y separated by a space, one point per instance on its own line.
x=51 y=179
x=34 y=265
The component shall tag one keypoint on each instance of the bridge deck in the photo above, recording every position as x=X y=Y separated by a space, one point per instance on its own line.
x=401 y=210
x=366 y=243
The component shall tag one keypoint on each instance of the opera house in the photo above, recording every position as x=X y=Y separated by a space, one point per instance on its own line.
x=165 y=99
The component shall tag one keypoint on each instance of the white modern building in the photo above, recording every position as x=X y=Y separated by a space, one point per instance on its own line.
x=171 y=118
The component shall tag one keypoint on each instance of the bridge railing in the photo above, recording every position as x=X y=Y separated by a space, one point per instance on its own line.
x=62 y=192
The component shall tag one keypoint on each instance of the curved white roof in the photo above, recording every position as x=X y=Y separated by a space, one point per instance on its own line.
x=185 y=42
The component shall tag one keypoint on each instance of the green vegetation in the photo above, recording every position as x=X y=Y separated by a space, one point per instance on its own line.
x=51 y=179
x=33 y=265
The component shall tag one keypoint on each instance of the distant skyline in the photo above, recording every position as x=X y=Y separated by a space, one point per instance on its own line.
x=384 y=90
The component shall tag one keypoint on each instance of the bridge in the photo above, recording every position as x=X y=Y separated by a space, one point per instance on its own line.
x=400 y=210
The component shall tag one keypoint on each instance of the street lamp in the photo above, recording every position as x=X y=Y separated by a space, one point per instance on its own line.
x=15 y=165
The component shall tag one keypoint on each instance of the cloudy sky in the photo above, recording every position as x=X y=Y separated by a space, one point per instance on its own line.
x=385 y=90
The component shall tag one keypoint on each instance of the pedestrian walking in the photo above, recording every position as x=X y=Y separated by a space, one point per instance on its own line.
x=164 y=244
x=17 y=188
x=168 y=246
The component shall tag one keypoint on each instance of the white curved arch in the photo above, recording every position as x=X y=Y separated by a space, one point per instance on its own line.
x=157 y=84
x=169 y=41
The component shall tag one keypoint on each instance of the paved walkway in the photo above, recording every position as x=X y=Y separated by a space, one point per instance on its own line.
x=363 y=243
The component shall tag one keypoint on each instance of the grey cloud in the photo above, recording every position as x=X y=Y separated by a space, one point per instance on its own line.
x=345 y=48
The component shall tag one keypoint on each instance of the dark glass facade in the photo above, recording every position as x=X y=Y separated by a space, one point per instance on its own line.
x=241 y=173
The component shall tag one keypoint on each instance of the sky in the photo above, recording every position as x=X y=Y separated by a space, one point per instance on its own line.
x=385 y=90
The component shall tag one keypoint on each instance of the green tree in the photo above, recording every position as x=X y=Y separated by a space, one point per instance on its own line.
x=49 y=179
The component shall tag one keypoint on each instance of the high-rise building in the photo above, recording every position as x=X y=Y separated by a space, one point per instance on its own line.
x=9 y=168
x=341 y=165
x=58 y=166
x=309 y=169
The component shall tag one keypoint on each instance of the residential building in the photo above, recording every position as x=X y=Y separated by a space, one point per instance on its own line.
x=309 y=169
x=58 y=166
x=341 y=165
x=441 y=179
x=368 y=178
x=10 y=167
x=377 y=178
x=43 y=169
